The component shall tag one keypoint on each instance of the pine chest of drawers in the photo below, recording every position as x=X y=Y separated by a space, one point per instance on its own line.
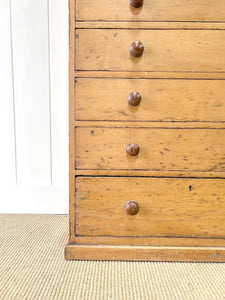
x=147 y=130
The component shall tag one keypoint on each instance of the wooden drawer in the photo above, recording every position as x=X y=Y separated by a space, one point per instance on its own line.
x=164 y=50
x=167 y=207
x=152 y=10
x=161 y=100
x=160 y=149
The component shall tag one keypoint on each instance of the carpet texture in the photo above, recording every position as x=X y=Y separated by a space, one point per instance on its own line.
x=32 y=266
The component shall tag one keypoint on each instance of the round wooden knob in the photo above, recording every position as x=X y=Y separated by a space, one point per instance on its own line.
x=132 y=208
x=136 y=3
x=133 y=149
x=134 y=98
x=136 y=49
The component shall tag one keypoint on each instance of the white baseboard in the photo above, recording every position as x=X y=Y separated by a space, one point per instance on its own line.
x=34 y=200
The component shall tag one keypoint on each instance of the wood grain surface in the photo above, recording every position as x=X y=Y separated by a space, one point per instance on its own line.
x=149 y=124
x=145 y=253
x=71 y=119
x=147 y=241
x=150 y=25
x=167 y=207
x=150 y=173
x=154 y=10
x=160 y=149
x=162 y=100
x=149 y=74
x=164 y=50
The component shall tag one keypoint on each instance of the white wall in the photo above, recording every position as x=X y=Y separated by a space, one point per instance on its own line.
x=34 y=106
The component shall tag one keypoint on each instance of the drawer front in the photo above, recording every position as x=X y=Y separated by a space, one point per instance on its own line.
x=160 y=149
x=151 y=10
x=161 y=100
x=164 y=50
x=167 y=207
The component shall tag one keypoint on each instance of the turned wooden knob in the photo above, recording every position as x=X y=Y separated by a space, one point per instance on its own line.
x=136 y=3
x=134 y=98
x=136 y=49
x=132 y=208
x=133 y=149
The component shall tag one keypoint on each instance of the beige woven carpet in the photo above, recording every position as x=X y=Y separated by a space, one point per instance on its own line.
x=32 y=266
